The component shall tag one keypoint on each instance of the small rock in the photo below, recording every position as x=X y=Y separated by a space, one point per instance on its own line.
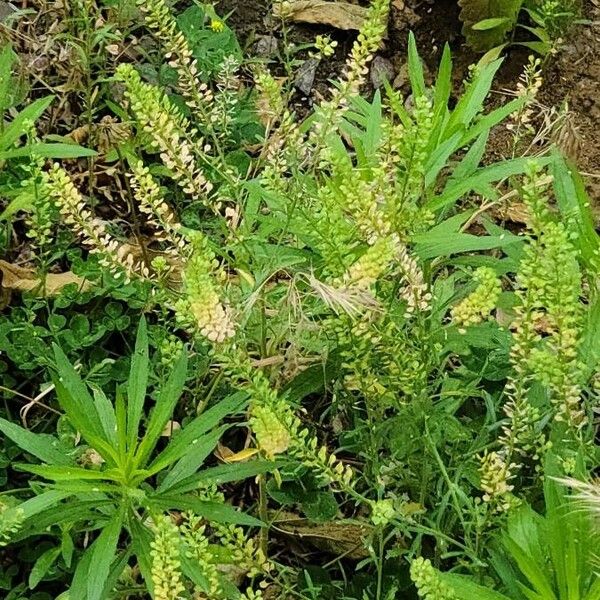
x=305 y=78
x=7 y=10
x=382 y=70
x=266 y=46
x=402 y=78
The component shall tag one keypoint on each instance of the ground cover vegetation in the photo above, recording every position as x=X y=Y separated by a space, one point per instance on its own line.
x=250 y=352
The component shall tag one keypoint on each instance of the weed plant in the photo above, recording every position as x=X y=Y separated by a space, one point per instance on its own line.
x=341 y=341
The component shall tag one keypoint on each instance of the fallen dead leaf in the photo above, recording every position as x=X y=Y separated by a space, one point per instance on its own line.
x=341 y=15
x=20 y=279
x=336 y=537
x=515 y=212
x=229 y=456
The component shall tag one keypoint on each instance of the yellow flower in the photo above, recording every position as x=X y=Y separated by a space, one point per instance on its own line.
x=217 y=25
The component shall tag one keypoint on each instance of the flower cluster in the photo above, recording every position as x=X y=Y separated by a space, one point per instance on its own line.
x=368 y=41
x=496 y=476
x=365 y=271
x=380 y=359
x=549 y=291
x=383 y=511
x=406 y=143
x=151 y=203
x=92 y=231
x=278 y=429
x=325 y=46
x=170 y=133
x=546 y=333
x=197 y=548
x=270 y=104
x=528 y=88
x=166 y=559
x=41 y=218
x=478 y=304
x=245 y=552
x=225 y=105
x=428 y=581
x=272 y=436
x=416 y=291
x=202 y=300
x=179 y=54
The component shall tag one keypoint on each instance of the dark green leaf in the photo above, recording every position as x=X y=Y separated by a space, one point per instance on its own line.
x=43 y=447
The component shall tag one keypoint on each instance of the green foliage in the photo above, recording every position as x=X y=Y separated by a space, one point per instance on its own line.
x=547 y=557
x=340 y=347
x=487 y=22
x=114 y=469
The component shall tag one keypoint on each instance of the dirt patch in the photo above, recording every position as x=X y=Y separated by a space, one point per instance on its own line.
x=571 y=77
x=574 y=77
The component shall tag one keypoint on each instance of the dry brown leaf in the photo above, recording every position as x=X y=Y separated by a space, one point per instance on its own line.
x=341 y=15
x=227 y=455
x=20 y=279
x=516 y=212
x=337 y=537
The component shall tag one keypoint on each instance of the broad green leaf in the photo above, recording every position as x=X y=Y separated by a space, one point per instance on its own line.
x=76 y=399
x=72 y=511
x=183 y=441
x=97 y=442
x=224 y=474
x=18 y=126
x=163 y=410
x=137 y=384
x=42 y=566
x=87 y=487
x=594 y=591
x=442 y=92
x=48 y=150
x=500 y=13
x=193 y=570
x=42 y=446
x=7 y=60
x=212 y=511
x=78 y=587
x=67 y=547
x=66 y=473
x=487 y=24
x=106 y=412
x=24 y=201
x=44 y=501
x=472 y=101
x=536 y=576
x=455 y=190
x=465 y=589
x=470 y=162
x=141 y=538
x=103 y=551
x=438 y=159
x=77 y=402
x=415 y=68
x=575 y=209
x=116 y=571
x=431 y=246
x=192 y=460
x=485 y=123
x=121 y=417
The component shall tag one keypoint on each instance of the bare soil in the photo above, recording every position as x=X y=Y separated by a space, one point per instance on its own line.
x=572 y=76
